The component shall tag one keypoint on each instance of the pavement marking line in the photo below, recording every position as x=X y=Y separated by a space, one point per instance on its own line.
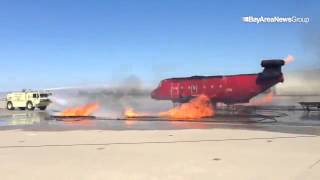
x=263 y=125
x=157 y=142
x=314 y=164
x=235 y=123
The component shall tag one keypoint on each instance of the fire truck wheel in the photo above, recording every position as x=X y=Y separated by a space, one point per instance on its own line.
x=30 y=106
x=10 y=106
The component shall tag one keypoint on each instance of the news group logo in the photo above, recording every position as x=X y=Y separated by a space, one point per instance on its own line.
x=275 y=19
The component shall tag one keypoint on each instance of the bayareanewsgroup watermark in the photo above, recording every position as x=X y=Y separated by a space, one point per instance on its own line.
x=275 y=19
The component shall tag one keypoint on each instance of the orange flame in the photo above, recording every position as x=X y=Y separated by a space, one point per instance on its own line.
x=195 y=109
x=267 y=99
x=289 y=59
x=84 y=110
x=130 y=113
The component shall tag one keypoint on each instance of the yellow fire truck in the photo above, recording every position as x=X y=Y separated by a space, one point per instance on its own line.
x=28 y=100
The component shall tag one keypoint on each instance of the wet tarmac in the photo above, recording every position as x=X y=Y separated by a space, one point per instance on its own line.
x=299 y=122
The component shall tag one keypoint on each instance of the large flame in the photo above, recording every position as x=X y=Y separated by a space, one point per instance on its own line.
x=289 y=59
x=197 y=108
x=85 y=110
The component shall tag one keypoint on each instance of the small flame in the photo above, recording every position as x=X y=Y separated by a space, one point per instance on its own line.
x=267 y=99
x=130 y=113
x=197 y=108
x=289 y=59
x=85 y=110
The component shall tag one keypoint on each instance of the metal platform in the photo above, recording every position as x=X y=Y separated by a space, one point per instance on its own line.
x=308 y=106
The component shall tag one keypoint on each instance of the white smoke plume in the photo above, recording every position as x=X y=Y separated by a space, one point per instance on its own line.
x=304 y=82
x=113 y=99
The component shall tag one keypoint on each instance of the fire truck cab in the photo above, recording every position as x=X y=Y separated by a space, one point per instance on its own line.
x=28 y=100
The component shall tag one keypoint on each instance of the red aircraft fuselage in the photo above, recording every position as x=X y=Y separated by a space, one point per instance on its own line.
x=228 y=89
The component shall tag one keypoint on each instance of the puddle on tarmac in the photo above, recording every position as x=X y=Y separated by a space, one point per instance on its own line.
x=279 y=121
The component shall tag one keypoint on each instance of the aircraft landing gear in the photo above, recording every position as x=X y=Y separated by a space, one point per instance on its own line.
x=176 y=104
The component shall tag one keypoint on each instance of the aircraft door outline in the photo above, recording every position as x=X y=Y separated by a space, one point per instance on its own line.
x=174 y=90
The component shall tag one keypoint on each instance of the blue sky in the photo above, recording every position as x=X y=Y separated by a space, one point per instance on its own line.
x=45 y=44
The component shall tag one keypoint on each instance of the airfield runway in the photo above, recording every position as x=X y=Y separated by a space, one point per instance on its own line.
x=259 y=145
